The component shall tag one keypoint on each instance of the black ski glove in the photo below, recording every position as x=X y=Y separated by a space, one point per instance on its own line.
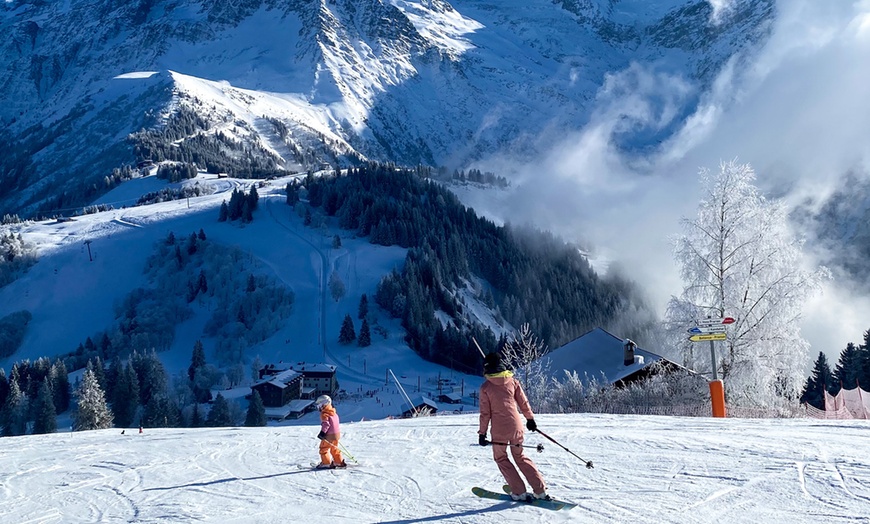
x=482 y=440
x=531 y=425
x=321 y=435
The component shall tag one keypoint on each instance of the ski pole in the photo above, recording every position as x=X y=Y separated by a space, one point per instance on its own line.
x=539 y=447
x=548 y=437
x=342 y=449
x=346 y=452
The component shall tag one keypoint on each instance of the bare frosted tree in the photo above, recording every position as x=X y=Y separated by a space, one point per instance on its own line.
x=739 y=258
x=523 y=352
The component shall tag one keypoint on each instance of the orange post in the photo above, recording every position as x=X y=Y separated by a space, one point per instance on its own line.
x=717 y=396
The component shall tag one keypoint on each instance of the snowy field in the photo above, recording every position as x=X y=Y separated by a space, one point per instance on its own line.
x=647 y=470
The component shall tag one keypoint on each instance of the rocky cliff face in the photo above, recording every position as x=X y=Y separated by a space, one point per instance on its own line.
x=301 y=83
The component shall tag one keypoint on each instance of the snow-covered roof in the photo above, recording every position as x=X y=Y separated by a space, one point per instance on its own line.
x=312 y=367
x=597 y=353
x=281 y=379
x=282 y=412
x=419 y=400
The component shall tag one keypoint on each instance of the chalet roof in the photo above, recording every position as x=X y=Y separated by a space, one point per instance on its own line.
x=419 y=400
x=280 y=380
x=597 y=354
x=313 y=367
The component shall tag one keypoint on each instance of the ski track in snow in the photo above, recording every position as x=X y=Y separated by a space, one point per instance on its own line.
x=647 y=470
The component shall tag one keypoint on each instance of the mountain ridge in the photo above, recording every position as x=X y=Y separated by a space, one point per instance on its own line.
x=410 y=82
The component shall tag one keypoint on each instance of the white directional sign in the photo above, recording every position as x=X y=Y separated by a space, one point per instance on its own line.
x=704 y=322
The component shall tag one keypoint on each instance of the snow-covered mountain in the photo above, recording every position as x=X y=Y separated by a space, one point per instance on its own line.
x=300 y=83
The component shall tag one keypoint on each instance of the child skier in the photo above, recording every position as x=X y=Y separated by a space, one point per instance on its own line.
x=330 y=455
x=500 y=395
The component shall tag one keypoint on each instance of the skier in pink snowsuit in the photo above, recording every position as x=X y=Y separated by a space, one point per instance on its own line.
x=500 y=396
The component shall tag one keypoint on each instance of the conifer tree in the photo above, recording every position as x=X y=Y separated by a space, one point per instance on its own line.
x=46 y=416
x=60 y=388
x=125 y=398
x=91 y=411
x=13 y=420
x=219 y=414
x=197 y=359
x=224 y=212
x=363 y=307
x=365 y=336
x=820 y=380
x=256 y=415
x=160 y=413
x=195 y=417
x=846 y=372
x=347 y=333
x=4 y=387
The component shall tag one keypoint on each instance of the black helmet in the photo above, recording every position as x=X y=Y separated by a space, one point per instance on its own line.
x=493 y=364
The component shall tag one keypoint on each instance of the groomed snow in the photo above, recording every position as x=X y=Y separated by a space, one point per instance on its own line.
x=647 y=470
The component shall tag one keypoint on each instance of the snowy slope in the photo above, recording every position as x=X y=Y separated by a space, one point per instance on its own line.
x=647 y=470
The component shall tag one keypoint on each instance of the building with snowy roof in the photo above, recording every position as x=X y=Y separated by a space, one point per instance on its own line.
x=419 y=404
x=279 y=389
x=607 y=358
x=317 y=378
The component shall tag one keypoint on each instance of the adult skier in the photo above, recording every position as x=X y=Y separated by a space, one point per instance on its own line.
x=500 y=396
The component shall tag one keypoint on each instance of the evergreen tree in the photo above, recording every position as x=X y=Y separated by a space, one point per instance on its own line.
x=13 y=415
x=347 y=333
x=45 y=415
x=195 y=417
x=60 y=389
x=150 y=374
x=820 y=380
x=848 y=367
x=91 y=411
x=363 y=307
x=96 y=366
x=219 y=414
x=125 y=398
x=201 y=234
x=336 y=242
x=4 y=387
x=197 y=359
x=365 y=337
x=202 y=282
x=256 y=415
x=253 y=198
x=224 y=212
x=112 y=375
x=160 y=413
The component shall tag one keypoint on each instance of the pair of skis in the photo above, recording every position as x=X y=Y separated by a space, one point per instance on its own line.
x=547 y=504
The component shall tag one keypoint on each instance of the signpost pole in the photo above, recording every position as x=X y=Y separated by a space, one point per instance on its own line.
x=712 y=329
x=713 y=359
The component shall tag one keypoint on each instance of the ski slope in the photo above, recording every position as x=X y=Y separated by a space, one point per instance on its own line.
x=647 y=470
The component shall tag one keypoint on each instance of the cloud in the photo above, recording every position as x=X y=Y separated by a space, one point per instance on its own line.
x=797 y=110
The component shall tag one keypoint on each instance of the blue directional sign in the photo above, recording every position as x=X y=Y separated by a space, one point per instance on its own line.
x=694 y=330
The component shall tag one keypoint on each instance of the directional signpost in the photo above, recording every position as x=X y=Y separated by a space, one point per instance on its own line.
x=712 y=329
x=709 y=336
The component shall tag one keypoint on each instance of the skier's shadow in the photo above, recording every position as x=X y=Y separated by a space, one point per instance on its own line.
x=433 y=518
x=230 y=479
